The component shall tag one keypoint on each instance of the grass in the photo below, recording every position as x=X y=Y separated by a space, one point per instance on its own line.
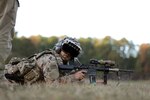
x=137 y=90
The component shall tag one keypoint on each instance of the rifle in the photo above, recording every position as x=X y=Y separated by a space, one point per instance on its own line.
x=94 y=66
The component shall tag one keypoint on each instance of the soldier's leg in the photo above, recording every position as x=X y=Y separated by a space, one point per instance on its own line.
x=8 y=10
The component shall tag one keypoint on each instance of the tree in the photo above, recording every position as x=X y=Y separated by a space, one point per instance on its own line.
x=143 y=63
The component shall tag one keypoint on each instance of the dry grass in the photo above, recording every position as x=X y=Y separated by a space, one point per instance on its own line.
x=139 y=90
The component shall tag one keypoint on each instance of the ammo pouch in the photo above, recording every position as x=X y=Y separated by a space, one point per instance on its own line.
x=30 y=71
x=32 y=76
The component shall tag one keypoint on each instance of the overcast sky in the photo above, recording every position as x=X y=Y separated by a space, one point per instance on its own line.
x=85 y=18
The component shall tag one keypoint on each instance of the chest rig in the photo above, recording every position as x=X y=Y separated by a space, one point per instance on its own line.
x=27 y=70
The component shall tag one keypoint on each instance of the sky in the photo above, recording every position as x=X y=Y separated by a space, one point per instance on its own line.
x=85 y=18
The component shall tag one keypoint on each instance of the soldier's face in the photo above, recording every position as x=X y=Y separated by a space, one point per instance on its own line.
x=65 y=55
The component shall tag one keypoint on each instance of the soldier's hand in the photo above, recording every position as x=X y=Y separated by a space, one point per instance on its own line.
x=80 y=74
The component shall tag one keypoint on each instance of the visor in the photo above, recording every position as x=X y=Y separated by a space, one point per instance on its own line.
x=71 y=48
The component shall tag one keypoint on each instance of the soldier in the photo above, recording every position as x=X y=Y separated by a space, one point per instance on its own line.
x=8 y=10
x=44 y=66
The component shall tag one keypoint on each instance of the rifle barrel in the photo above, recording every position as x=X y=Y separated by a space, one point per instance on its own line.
x=71 y=67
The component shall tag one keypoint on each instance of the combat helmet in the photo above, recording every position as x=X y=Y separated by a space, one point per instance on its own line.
x=70 y=45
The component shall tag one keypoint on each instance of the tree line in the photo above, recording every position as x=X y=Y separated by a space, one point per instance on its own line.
x=125 y=53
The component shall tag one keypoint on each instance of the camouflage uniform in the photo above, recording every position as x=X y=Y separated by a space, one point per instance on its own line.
x=42 y=67
x=8 y=10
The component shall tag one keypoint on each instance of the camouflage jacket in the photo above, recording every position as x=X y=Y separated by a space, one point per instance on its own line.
x=41 y=67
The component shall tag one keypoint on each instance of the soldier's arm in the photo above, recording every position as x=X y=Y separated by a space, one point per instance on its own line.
x=49 y=68
x=51 y=72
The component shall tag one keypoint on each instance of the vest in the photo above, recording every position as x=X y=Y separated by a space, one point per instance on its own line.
x=26 y=70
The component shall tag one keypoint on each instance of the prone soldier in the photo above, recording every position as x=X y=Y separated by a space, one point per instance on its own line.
x=44 y=66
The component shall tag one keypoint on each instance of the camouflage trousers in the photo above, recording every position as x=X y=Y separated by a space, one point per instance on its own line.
x=8 y=10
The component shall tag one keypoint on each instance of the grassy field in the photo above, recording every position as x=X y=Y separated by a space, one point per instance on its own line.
x=137 y=90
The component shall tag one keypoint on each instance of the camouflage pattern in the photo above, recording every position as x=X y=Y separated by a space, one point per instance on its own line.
x=8 y=10
x=42 y=67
